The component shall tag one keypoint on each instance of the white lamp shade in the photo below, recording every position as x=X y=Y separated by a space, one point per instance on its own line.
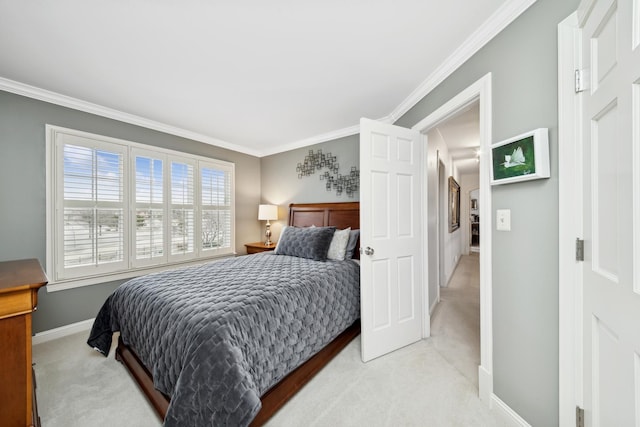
x=267 y=212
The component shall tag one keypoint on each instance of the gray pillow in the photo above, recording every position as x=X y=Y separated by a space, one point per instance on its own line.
x=307 y=242
x=351 y=245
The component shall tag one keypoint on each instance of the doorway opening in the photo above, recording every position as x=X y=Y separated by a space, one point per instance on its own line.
x=454 y=301
x=474 y=220
x=441 y=213
x=478 y=94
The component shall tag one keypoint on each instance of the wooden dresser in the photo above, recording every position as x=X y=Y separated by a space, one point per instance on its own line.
x=19 y=284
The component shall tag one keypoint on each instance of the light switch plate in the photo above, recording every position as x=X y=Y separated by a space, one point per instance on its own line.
x=503 y=219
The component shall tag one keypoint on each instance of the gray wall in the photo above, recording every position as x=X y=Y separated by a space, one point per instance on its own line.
x=281 y=185
x=22 y=193
x=523 y=62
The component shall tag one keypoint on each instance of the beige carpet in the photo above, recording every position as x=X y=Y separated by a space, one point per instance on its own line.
x=455 y=322
x=419 y=385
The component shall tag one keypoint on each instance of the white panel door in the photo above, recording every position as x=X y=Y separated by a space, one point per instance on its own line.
x=390 y=237
x=611 y=294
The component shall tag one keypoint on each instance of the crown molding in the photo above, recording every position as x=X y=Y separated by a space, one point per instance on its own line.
x=110 y=113
x=497 y=22
x=324 y=137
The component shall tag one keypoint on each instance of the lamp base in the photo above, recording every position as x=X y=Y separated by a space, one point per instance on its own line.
x=267 y=234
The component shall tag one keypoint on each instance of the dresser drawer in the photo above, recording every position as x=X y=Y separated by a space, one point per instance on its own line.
x=16 y=303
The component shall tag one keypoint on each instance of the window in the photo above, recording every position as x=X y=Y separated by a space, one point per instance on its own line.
x=182 y=209
x=117 y=209
x=216 y=207
x=148 y=224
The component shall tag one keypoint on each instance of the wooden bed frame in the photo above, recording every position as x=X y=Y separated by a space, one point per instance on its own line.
x=341 y=215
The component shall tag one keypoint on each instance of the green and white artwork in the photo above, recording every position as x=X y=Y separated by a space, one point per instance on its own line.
x=521 y=158
x=514 y=159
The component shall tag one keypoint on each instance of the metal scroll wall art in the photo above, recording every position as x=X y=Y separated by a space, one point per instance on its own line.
x=315 y=162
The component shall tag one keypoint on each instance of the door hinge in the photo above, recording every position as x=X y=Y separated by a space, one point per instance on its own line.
x=579 y=417
x=581 y=79
x=579 y=249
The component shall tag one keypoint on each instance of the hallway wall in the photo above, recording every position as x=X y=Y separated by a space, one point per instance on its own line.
x=437 y=149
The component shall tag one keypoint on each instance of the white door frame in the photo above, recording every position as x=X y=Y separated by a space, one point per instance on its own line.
x=441 y=222
x=480 y=90
x=570 y=222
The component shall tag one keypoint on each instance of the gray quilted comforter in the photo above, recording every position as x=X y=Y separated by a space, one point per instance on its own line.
x=216 y=337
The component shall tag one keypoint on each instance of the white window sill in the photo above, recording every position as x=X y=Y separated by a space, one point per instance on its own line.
x=63 y=285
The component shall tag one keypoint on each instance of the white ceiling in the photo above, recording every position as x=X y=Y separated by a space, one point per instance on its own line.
x=256 y=76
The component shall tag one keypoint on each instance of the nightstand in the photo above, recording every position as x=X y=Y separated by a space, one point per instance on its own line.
x=254 y=248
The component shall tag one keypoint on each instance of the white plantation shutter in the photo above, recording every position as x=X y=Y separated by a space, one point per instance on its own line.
x=149 y=218
x=182 y=209
x=116 y=208
x=91 y=212
x=216 y=207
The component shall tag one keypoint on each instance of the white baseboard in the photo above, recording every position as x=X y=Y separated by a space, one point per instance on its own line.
x=453 y=270
x=507 y=416
x=433 y=306
x=485 y=385
x=62 y=331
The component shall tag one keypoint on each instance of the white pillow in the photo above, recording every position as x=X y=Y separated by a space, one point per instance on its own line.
x=281 y=233
x=338 y=247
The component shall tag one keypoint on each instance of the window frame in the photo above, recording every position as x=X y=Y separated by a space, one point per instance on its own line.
x=153 y=155
x=61 y=205
x=203 y=164
x=61 y=278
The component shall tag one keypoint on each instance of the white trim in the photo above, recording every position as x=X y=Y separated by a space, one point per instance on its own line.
x=63 y=285
x=485 y=383
x=570 y=222
x=433 y=307
x=635 y=142
x=62 y=331
x=329 y=136
x=505 y=414
x=584 y=10
x=497 y=22
x=478 y=91
x=324 y=137
x=110 y=113
x=456 y=262
x=427 y=309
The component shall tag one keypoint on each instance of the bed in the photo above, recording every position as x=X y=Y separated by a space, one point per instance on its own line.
x=277 y=321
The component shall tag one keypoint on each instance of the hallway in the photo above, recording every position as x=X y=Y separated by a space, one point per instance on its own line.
x=455 y=321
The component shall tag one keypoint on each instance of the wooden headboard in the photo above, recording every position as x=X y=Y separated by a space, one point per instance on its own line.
x=340 y=215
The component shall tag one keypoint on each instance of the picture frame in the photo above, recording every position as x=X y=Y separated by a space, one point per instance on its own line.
x=522 y=158
x=454 y=205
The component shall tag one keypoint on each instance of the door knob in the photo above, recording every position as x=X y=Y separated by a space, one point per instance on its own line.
x=368 y=250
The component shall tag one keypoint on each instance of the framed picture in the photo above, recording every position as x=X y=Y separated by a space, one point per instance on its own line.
x=521 y=158
x=454 y=205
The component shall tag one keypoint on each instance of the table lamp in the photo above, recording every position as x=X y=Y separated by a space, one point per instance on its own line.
x=268 y=212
